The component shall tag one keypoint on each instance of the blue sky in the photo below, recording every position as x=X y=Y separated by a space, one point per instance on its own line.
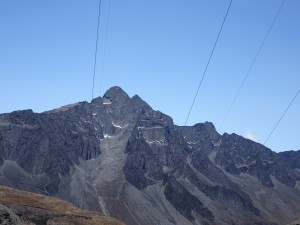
x=158 y=50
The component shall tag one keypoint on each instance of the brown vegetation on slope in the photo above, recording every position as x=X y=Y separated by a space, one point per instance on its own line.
x=20 y=207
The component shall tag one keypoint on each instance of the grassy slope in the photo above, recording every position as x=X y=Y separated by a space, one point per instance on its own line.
x=49 y=209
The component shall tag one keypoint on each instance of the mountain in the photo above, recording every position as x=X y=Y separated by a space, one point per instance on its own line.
x=118 y=156
x=22 y=208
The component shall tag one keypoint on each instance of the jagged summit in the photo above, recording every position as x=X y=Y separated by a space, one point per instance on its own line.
x=115 y=93
x=140 y=103
x=139 y=167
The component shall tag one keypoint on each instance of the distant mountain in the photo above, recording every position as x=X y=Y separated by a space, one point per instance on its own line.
x=134 y=164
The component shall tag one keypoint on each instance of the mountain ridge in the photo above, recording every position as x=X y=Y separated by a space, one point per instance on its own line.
x=138 y=166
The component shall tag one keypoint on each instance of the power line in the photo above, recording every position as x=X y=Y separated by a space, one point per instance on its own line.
x=104 y=54
x=91 y=108
x=203 y=75
x=96 y=48
x=282 y=117
x=208 y=62
x=251 y=65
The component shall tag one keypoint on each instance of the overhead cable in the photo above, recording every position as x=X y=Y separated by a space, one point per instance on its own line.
x=272 y=131
x=251 y=66
x=91 y=104
x=208 y=62
x=105 y=42
x=96 y=48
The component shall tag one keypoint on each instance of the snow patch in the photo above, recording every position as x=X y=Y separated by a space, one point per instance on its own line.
x=107 y=136
x=166 y=169
x=150 y=128
x=106 y=101
x=119 y=126
x=158 y=142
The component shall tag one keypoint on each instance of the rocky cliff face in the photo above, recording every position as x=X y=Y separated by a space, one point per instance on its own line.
x=118 y=156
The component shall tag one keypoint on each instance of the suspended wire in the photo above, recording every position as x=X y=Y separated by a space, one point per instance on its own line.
x=251 y=66
x=203 y=75
x=282 y=117
x=96 y=48
x=104 y=54
x=91 y=104
x=208 y=62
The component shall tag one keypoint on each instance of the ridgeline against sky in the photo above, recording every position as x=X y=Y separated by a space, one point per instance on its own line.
x=159 y=50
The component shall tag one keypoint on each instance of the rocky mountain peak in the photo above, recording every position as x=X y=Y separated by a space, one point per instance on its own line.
x=140 y=103
x=207 y=128
x=23 y=117
x=139 y=167
x=116 y=94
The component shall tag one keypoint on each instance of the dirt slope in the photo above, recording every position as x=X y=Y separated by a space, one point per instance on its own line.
x=20 y=207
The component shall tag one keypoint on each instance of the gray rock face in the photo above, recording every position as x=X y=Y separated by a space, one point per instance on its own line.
x=119 y=156
x=142 y=168
x=184 y=201
x=8 y=216
x=237 y=155
x=49 y=143
x=232 y=197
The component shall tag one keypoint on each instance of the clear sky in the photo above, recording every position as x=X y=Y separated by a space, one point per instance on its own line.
x=158 y=49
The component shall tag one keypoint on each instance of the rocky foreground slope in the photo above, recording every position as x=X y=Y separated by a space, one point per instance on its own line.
x=22 y=208
x=296 y=222
x=137 y=166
